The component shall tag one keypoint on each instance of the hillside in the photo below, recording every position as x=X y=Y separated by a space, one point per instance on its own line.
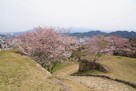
x=20 y=73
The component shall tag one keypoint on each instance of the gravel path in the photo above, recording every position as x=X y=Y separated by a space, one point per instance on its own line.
x=83 y=83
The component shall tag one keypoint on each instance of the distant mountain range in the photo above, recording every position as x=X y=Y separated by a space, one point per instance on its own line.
x=90 y=33
x=124 y=34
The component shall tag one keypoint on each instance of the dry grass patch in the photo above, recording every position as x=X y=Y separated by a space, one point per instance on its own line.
x=21 y=73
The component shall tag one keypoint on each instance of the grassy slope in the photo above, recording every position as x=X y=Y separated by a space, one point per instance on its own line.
x=20 y=73
x=120 y=67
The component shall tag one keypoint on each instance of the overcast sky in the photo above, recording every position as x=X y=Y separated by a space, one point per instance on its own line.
x=21 y=15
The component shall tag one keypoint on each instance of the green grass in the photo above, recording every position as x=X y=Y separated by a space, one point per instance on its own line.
x=21 y=73
x=62 y=65
x=94 y=72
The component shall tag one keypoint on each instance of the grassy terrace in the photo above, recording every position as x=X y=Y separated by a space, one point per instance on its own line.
x=120 y=67
x=123 y=68
x=20 y=73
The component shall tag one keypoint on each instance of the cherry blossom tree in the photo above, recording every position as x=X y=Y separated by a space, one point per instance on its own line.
x=46 y=45
x=95 y=47
x=120 y=46
x=117 y=43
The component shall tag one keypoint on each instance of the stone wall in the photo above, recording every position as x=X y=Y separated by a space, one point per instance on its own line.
x=126 y=53
x=86 y=65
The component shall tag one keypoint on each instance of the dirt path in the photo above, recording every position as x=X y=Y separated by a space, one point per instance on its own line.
x=64 y=76
x=77 y=83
